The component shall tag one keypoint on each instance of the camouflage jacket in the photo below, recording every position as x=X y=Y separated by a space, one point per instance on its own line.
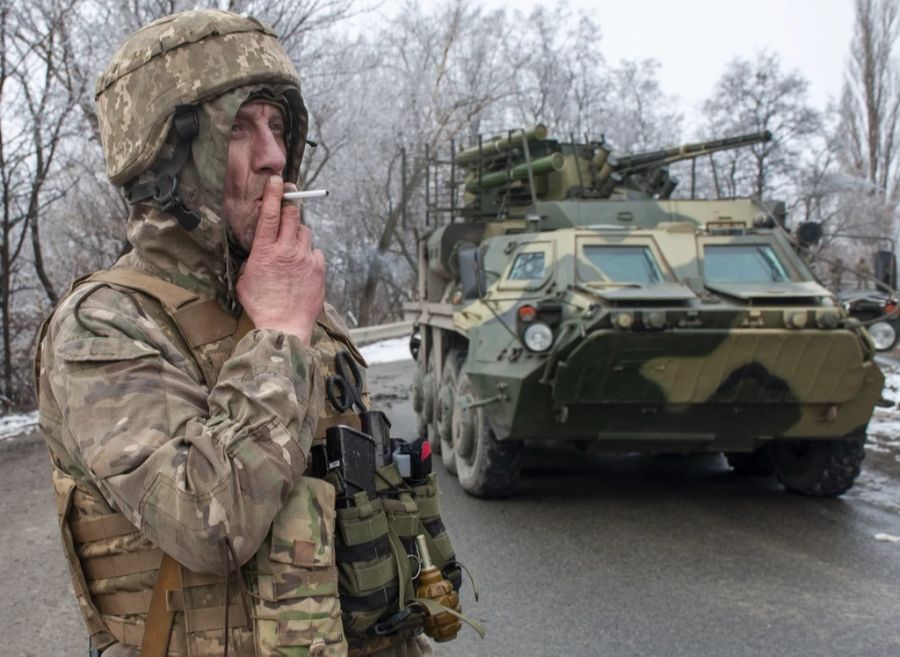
x=125 y=411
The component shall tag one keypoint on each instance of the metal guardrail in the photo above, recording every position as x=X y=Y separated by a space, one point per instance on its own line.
x=381 y=332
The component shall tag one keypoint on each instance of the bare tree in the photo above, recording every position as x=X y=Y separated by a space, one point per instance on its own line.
x=752 y=96
x=436 y=81
x=870 y=106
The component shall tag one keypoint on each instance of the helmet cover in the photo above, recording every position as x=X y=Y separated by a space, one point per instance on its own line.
x=184 y=59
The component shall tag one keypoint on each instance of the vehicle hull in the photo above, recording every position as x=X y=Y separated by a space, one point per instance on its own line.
x=698 y=389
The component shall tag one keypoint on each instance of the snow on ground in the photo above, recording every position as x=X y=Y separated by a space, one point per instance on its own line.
x=11 y=425
x=388 y=351
x=885 y=424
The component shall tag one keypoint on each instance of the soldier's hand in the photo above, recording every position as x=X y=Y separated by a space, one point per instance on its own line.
x=282 y=285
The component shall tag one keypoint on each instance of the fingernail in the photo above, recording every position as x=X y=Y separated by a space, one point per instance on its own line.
x=275 y=180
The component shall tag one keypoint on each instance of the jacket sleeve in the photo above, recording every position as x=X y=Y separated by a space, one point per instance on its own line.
x=187 y=465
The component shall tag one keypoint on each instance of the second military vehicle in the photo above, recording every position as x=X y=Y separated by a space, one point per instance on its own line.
x=565 y=295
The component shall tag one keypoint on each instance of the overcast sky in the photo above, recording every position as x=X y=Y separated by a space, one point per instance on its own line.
x=694 y=39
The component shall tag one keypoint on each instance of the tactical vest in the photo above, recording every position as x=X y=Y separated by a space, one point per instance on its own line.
x=124 y=583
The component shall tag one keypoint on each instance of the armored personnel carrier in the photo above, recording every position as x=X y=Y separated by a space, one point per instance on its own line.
x=564 y=294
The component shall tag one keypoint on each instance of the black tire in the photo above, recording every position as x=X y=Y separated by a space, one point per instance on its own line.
x=486 y=467
x=819 y=468
x=445 y=402
x=757 y=463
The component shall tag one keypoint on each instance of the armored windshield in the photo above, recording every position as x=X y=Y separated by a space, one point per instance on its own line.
x=742 y=263
x=527 y=267
x=625 y=264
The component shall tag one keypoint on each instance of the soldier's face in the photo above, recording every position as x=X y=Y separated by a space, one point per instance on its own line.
x=255 y=153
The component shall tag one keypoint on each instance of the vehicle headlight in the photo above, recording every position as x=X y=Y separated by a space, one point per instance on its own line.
x=538 y=337
x=883 y=334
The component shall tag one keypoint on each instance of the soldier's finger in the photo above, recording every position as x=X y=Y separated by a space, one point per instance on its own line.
x=304 y=238
x=290 y=222
x=269 y=221
x=319 y=259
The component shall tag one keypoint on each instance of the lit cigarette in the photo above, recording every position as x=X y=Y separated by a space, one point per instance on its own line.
x=309 y=193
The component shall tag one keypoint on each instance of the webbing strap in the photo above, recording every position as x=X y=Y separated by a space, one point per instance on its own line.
x=363 y=551
x=119 y=565
x=434 y=527
x=244 y=326
x=98 y=629
x=168 y=294
x=204 y=321
x=376 y=600
x=375 y=575
x=355 y=531
x=347 y=419
x=158 y=626
x=123 y=603
x=163 y=189
x=209 y=618
x=428 y=506
x=200 y=319
x=95 y=529
x=128 y=633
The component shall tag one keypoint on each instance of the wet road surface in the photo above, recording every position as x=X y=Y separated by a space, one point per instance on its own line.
x=596 y=555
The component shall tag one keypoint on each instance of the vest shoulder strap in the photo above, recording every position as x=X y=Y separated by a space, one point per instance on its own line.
x=201 y=320
x=168 y=294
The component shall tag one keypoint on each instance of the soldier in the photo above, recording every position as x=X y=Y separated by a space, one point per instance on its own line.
x=863 y=273
x=837 y=273
x=179 y=434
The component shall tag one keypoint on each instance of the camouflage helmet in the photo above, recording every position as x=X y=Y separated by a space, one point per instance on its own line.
x=181 y=61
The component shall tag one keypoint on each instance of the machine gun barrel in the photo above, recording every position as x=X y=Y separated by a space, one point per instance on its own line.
x=499 y=145
x=630 y=163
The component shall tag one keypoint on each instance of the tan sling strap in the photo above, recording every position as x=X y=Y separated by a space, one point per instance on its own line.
x=160 y=618
x=200 y=319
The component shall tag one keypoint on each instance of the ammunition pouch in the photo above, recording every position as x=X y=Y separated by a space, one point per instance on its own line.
x=377 y=559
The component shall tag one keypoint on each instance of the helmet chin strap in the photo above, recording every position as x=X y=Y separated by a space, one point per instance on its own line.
x=163 y=189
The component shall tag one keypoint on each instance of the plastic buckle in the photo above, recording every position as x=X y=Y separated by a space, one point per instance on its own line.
x=165 y=197
x=390 y=625
x=187 y=125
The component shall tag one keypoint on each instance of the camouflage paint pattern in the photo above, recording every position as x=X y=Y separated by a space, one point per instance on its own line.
x=680 y=364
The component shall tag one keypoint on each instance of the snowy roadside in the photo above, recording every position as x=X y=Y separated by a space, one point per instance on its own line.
x=389 y=351
x=883 y=446
x=13 y=425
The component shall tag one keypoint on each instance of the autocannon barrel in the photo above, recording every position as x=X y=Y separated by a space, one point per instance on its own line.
x=499 y=145
x=688 y=151
x=554 y=162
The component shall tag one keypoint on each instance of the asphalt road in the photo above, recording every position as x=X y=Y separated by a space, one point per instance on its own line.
x=597 y=555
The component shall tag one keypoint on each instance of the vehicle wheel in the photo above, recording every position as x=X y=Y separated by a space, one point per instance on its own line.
x=485 y=466
x=444 y=407
x=884 y=335
x=757 y=463
x=821 y=468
